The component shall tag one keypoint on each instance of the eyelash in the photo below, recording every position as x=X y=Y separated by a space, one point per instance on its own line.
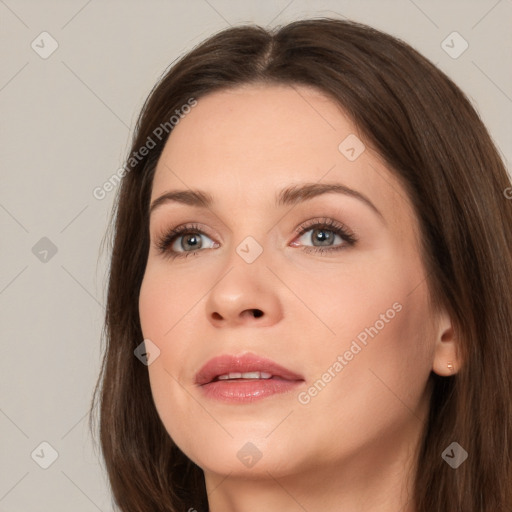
x=337 y=228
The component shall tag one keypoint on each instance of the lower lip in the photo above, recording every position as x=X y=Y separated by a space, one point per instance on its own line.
x=247 y=390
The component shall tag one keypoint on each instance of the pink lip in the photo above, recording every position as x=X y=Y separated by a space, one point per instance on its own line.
x=244 y=390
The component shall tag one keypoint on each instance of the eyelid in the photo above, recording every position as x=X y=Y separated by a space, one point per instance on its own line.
x=324 y=222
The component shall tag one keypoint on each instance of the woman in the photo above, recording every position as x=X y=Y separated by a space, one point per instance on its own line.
x=309 y=301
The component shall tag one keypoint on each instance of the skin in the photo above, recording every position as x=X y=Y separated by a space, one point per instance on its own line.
x=352 y=446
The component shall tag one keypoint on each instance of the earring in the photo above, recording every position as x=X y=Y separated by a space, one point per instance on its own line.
x=450 y=367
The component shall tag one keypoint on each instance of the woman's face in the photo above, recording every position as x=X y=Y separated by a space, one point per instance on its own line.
x=349 y=319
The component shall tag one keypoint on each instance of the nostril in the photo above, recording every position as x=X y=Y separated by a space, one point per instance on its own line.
x=256 y=313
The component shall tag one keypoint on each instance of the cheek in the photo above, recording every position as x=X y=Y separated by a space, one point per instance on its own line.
x=378 y=394
x=386 y=352
x=167 y=298
x=167 y=319
x=383 y=333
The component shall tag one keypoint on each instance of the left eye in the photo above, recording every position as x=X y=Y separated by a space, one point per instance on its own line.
x=325 y=231
x=325 y=237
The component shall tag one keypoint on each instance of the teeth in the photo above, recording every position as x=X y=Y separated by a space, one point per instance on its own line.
x=247 y=375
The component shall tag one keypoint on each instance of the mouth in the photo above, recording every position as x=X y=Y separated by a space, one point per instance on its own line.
x=243 y=368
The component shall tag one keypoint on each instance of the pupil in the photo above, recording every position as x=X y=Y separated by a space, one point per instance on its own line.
x=322 y=238
x=196 y=241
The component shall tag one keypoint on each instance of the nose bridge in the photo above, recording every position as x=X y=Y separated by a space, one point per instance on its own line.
x=251 y=235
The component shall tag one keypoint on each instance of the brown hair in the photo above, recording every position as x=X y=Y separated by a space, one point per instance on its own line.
x=430 y=136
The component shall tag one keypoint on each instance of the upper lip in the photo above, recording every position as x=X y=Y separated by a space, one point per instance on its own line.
x=227 y=363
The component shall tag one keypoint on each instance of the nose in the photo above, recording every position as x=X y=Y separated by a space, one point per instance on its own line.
x=248 y=294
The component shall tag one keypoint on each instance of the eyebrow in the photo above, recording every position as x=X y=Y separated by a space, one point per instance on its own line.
x=289 y=196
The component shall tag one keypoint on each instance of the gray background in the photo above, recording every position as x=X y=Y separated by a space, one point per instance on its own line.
x=66 y=122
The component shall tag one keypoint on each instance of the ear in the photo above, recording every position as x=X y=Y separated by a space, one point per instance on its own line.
x=447 y=360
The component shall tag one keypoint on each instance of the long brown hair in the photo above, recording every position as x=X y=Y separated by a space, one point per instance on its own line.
x=430 y=136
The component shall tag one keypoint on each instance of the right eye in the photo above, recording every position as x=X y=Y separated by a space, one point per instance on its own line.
x=183 y=241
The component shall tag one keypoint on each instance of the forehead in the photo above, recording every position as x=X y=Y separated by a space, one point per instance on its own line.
x=245 y=143
x=257 y=129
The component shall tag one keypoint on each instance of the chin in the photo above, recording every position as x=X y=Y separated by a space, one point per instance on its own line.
x=244 y=454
